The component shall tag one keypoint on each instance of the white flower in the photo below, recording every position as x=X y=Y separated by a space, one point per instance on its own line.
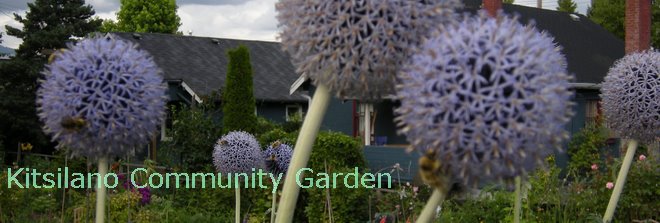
x=631 y=96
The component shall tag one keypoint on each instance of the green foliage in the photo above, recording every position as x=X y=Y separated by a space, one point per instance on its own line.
x=294 y=123
x=47 y=25
x=404 y=202
x=566 y=6
x=585 y=147
x=490 y=206
x=277 y=134
x=507 y=1
x=337 y=150
x=348 y=204
x=145 y=16
x=265 y=125
x=109 y=25
x=610 y=14
x=239 y=104
x=341 y=153
x=193 y=133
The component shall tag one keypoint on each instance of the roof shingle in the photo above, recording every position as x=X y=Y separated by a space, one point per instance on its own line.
x=201 y=62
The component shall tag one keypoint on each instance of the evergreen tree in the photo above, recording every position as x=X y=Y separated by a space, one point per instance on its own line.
x=239 y=105
x=47 y=26
x=566 y=6
x=147 y=16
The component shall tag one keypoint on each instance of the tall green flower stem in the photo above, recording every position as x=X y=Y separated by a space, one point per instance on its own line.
x=301 y=152
x=273 y=208
x=620 y=180
x=238 y=204
x=518 y=203
x=428 y=213
x=100 y=190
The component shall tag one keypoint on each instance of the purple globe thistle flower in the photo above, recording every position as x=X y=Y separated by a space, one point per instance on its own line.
x=237 y=152
x=356 y=47
x=631 y=96
x=487 y=97
x=101 y=97
x=278 y=157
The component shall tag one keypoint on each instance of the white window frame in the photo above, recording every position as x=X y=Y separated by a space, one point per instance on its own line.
x=286 y=111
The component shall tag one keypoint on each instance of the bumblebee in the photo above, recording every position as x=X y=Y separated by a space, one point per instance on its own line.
x=431 y=173
x=73 y=123
x=221 y=142
x=276 y=144
x=429 y=169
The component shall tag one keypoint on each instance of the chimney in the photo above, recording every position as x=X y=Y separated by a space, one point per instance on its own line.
x=638 y=25
x=492 y=6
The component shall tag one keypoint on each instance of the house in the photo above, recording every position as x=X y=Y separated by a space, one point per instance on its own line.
x=195 y=67
x=589 y=49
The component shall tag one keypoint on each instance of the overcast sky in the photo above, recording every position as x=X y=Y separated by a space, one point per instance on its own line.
x=239 y=19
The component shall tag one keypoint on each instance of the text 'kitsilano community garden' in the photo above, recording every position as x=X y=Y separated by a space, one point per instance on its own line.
x=279 y=111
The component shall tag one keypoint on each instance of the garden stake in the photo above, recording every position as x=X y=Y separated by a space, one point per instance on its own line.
x=100 y=190
x=518 y=202
x=428 y=213
x=620 y=180
x=238 y=203
x=301 y=152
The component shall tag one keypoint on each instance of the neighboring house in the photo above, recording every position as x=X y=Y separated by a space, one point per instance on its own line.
x=589 y=49
x=197 y=66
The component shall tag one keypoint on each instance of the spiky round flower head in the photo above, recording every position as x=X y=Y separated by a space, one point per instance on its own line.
x=101 y=97
x=631 y=96
x=355 y=47
x=489 y=95
x=237 y=152
x=278 y=157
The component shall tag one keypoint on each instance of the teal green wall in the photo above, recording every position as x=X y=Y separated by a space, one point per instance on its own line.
x=339 y=116
x=276 y=111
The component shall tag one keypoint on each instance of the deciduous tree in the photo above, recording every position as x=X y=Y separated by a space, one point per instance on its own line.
x=148 y=16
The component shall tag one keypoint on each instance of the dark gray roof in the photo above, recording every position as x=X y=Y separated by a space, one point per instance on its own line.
x=201 y=62
x=589 y=49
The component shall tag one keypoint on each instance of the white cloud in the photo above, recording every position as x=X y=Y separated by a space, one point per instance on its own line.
x=253 y=20
x=7 y=40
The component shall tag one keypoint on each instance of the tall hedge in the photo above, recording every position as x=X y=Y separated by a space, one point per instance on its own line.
x=238 y=96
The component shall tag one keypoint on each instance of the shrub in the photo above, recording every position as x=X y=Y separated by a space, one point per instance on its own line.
x=341 y=153
x=348 y=204
x=337 y=150
x=193 y=135
x=584 y=148
x=238 y=96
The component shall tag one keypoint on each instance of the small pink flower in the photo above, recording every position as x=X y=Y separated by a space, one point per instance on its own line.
x=642 y=157
x=415 y=189
x=594 y=166
x=609 y=185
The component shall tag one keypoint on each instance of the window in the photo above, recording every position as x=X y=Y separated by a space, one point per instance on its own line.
x=167 y=125
x=592 y=112
x=294 y=112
